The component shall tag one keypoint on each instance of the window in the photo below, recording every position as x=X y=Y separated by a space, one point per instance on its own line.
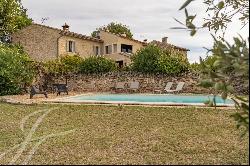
x=126 y=48
x=70 y=46
x=108 y=49
x=115 y=48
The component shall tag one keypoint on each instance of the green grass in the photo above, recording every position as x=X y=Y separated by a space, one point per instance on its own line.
x=126 y=135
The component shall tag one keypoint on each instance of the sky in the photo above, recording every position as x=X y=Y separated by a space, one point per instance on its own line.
x=147 y=19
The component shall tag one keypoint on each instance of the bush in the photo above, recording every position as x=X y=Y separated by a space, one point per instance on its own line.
x=195 y=67
x=65 y=65
x=146 y=59
x=208 y=62
x=97 y=64
x=71 y=63
x=16 y=70
x=153 y=59
x=53 y=67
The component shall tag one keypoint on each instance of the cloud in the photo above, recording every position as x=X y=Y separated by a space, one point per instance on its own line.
x=148 y=19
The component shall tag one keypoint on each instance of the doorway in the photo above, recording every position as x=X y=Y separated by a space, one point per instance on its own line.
x=120 y=64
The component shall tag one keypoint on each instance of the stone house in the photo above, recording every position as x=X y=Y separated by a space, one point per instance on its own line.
x=170 y=47
x=45 y=43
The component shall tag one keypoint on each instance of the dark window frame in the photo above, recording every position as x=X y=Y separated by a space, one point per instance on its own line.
x=126 y=48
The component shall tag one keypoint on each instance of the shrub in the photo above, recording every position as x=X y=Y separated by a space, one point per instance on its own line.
x=195 y=67
x=146 y=59
x=53 y=67
x=71 y=64
x=97 y=64
x=16 y=70
x=65 y=65
x=153 y=59
x=208 y=61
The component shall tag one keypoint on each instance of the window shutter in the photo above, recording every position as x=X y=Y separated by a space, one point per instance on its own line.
x=110 y=49
x=73 y=46
x=94 y=50
x=97 y=50
x=67 y=46
x=115 y=48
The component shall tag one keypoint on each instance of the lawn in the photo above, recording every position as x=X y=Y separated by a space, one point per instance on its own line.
x=121 y=135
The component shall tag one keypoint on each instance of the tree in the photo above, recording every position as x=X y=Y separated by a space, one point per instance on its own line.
x=153 y=59
x=231 y=59
x=13 y=17
x=16 y=69
x=116 y=28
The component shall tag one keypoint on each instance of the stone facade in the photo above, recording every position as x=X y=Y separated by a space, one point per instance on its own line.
x=83 y=48
x=117 y=55
x=39 y=42
x=175 y=50
x=45 y=43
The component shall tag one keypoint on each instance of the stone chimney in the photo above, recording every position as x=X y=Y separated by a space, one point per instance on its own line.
x=165 y=40
x=65 y=27
x=98 y=36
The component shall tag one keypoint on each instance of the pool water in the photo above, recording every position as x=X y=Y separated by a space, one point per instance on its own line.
x=152 y=99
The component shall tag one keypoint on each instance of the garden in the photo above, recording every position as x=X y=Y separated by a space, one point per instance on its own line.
x=34 y=131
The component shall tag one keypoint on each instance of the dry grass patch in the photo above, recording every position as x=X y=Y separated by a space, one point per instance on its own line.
x=125 y=135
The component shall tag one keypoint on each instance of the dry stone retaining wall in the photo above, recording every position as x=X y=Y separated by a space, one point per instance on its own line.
x=148 y=83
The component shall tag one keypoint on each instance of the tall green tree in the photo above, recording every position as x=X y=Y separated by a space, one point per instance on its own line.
x=13 y=17
x=16 y=70
x=116 y=28
x=231 y=59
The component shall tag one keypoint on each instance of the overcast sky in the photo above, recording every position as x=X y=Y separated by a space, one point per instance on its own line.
x=147 y=19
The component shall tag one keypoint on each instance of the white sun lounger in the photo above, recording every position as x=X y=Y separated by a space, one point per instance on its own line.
x=120 y=85
x=178 y=88
x=167 y=87
x=134 y=86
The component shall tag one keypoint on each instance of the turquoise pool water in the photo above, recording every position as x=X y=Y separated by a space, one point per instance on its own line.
x=152 y=99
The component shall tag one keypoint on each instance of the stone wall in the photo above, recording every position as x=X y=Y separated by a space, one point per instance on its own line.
x=39 y=42
x=148 y=83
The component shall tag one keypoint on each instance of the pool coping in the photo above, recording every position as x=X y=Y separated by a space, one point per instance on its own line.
x=94 y=102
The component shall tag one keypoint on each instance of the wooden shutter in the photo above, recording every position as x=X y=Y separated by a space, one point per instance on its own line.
x=94 y=50
x=67 y=46
x=110 y=49
x=73 y=46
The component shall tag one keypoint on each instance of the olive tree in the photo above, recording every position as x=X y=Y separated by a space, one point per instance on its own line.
x=13 y=17
x=231 y=58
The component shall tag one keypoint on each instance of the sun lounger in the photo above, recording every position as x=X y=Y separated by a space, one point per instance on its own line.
x=119 y=86
x=134 y=86
x=178 y=88
x=167 y=87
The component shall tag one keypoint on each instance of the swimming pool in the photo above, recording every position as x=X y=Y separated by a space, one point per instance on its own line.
x=152 y=99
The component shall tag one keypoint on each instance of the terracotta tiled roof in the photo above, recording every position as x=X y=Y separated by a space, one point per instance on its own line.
x=167 y=45
x=72 y=34
x=138 y=41
x=80 y=36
